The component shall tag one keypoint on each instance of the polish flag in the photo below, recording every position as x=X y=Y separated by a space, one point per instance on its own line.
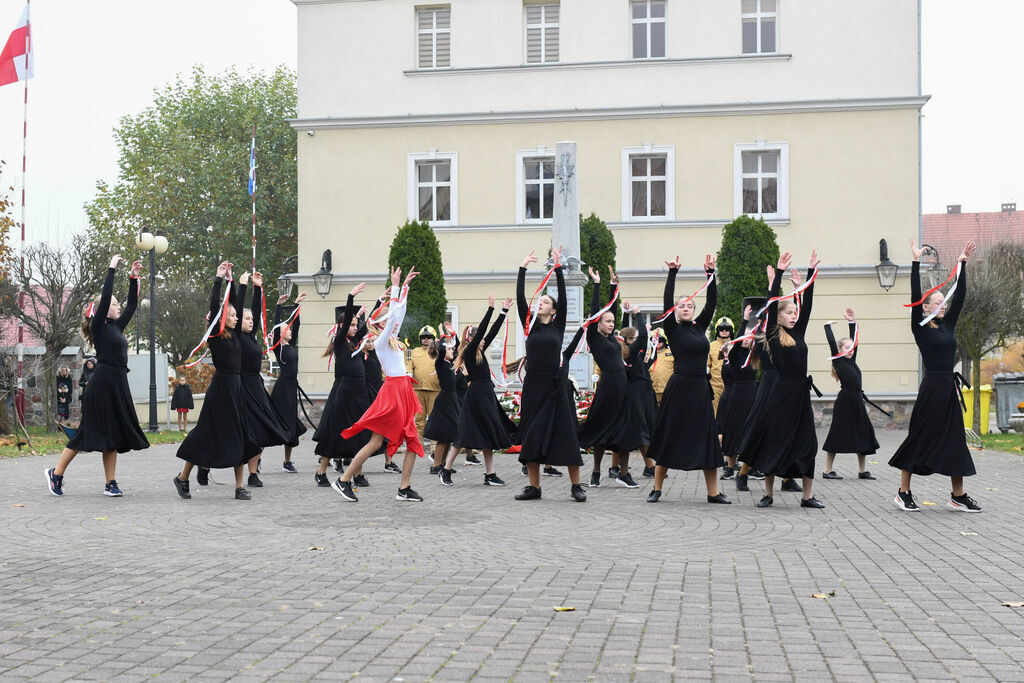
x=12 y=59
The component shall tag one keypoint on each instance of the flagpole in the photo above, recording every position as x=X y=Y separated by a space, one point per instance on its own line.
x=19 y=408
x=252 y=173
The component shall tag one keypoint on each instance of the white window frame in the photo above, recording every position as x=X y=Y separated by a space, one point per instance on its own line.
x=758 y=16
x=453 y=312
x=782 y=188
x=413 y=185
x=648 y=21
x=669 y=151
x=433 y=33
x=522 y=156
x=544 y=27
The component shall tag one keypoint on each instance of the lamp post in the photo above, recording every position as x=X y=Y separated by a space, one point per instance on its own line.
x=284 y=283
x=322 y=278
x=154 y=244
x=930 y=263
x=886 y=269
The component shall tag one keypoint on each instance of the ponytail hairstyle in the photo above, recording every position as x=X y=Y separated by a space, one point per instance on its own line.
x=87 y=320
x=467 y=334
x=626 y=333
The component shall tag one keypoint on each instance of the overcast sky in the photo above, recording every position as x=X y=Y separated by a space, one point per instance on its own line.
x=97 y=61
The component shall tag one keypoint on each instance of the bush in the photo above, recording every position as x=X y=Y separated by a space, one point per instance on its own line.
x=597 y=249
x=416 y=246
x=748 y=245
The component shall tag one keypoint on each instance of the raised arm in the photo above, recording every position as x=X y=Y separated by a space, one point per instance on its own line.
x=257 y=306
x=670 y=295
x=295 y=331
x=99 y=317
x=346 y=318
x=215 y=294
x=831 y=338
x=571 y=348
x=917 y=312
x=561 y=310
x=853 y=335
x=131 y=303
x=236 y=296
x=478 y=334
x=397 y=313
x=639 y=344
x=773 y=309
x=522 y=305
x=495 y=328
x=277 y=333
x=805 y=310
x=710 y=302
x=956 y=303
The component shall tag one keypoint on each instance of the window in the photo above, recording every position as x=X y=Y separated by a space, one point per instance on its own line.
x=762 y=180
x=433 y=188
x=535 y=180
x=434 y=37
x=648 y=28
x=648 y=174
x=760 y=25
x=542 y=33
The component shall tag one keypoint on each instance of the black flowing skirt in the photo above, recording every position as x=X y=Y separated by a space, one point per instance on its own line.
x=636 y=428
x=285 y=399
x=606 y=419
x=936 y=443
x=346 y=403
x=266 y=425
x=443 y=422
x=786 y=443
x=547 y=421
x=755 y=418
x=483 y=423
x=685 y=437
x=733 y=410
x=221 y=437
x=109 y=421
x=851 y=430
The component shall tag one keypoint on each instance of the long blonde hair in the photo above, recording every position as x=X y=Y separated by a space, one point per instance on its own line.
x=785 y=339
x=839 y=348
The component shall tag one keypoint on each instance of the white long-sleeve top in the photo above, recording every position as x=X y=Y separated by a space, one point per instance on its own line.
x=392 y=360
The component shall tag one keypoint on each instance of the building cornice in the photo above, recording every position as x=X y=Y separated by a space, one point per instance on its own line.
x=637 y=225
x=611 y=113
x=604 y=64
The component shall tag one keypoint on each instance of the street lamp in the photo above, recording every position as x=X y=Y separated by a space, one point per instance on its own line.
x=154 y=244
x=322 y=278
x=886 y=269
x=930 y=263
x=284 y=285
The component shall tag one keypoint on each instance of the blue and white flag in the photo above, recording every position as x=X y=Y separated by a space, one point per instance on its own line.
x=252 y=166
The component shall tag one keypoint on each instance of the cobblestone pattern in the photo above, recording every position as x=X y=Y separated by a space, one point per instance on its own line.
x=298 y=584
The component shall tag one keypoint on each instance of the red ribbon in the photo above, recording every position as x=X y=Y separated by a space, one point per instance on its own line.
x=529 y=315
x=795 y=293
x=711 y=278
x=856 y=340
x=927 y=294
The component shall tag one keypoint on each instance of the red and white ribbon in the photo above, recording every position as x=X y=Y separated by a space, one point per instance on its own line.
x=666 y=314
x=221 y=318
x=376 y=318
x=287 y=323
x=607 y=307
x=90 y=310
x=795 y=293
x=955 y=276
x=856 y=340
x=727 y=347
x=532 y=314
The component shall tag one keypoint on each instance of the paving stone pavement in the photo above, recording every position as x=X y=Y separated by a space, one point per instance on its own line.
x=298 y=584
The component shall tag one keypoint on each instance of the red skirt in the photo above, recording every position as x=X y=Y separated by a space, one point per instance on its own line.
x=182 y=410
x=392 y=415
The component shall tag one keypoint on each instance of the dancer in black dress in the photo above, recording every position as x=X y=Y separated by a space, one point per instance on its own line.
x=285 y=395
x=936 y=443
x=547 y=415
x=349 y=397
x=443 y=423
x=109 y=422
x=266 y=425
x=182 y=402
x=740 y=391
x=483 y=423
x=685 y=436
x=605 y=425
x=222 y=437
x=788 y=444
x=640 y=406
x=851 y=430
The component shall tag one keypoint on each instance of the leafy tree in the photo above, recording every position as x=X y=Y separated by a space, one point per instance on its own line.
x=416 y=246
x=597 y=249
x=7 y=225
x=748 y=245
x=180 y=318
x=184 y=167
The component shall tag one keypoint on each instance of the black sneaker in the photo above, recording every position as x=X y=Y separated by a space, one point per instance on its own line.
x=345 y=489
x=111 y=490
x=831 y=475
x=529 y=493
x=866 y=475
x=242 y=494
x=812 y=502
x=595 y=480
x=904 y=500
x=445 y=476
x=322 y=480
x=493 y=480
x=339 y=465
x=765 y=502
x=55 y=482
x=182 y=487
x=524 y=471
x=288 y=466
x=360 y=481
x=552 y=472
x=741 y=482
x=203 y=476
x=578 y=494
x=613 y=472
x=254 y=481
x=392 y=467
x=755 y=474
x=720 y=499
x=408 y=495
x=791 y=486
x=627 y=481
x=963 y=503
x=433 y=470
x=727 y=473
x=649 y=472
x=653 y=496
x=473 y=460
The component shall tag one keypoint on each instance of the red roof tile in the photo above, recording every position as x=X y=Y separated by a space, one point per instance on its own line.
x=948 y=232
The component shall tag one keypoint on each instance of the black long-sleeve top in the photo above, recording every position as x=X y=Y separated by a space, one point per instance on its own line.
x=607 y=350
x=478 y=368
x=108 y=335
x=764 y=355
x=287 y=354
x=443 y=367
x=344 y=363
x=738 y=356
x=252 y=352
x=544 y=345
x=791 y=361
x=846 y=368
x=636 y=369
x=226 y=353
x=937 y=344
x=689 y=341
